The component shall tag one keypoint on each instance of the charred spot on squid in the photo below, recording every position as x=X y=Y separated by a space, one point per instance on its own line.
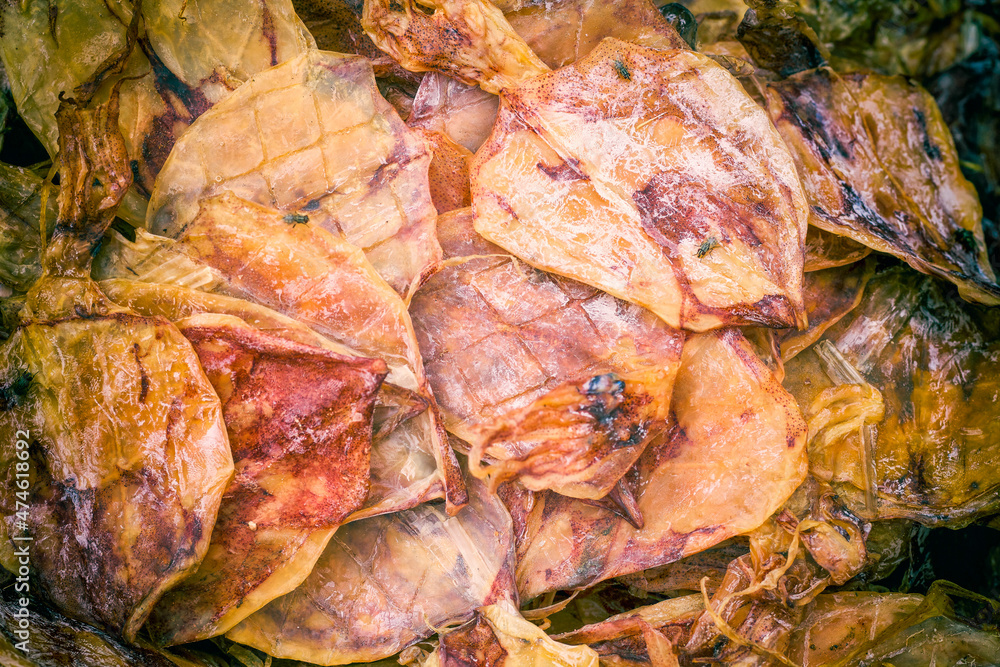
x=967 y=240
x=603 y=384
x=930 y=149
x=12 y=393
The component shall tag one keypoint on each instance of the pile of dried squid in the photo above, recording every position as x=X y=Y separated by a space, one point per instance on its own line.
x=575 y=333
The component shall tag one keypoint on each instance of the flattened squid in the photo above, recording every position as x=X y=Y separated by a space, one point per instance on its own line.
x=565 y=413
x=314 y=138
x=300 y=426
x=734 y=454
x=880 y=167
x=110 y=412
x=652 y=176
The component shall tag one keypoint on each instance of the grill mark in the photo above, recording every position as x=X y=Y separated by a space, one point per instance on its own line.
x=930 y=149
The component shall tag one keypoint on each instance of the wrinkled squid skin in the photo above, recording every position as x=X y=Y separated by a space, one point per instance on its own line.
x=570 y=414
x=387 y=582
x=829 y=295
x=448 y=174
x=314 y=138
x=652 y=176
x=935 y=363
x=734 y=454
x=469 y=40
x=465 y=113
x=21 y=194
x=129 y=458
x=56 y=641
x=472 y=645
x=879 y=166
x=826 y=251
x=500 y=636
x=300 y=425
x=127 y=446
x=191 y=57
x=564 y=31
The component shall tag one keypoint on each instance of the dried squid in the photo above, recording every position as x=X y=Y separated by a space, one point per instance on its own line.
x=21 y=202
x=463 y=112
x=757 y=604
x=498 y=636
x=849 y=628
x=880 y=167
x=652 y=176
x=812 y=542
x=901 y=401
x=493 y=397
x=470 y=40
x=387 y=582
x=56 y=641
x=299 y=421
x=120 y=427
x=191 y=55
x=648 y=174
x=314 y=138
x=571 y=415
x=829 y=295
x=564 y=31
x=735 y=453
x=306 y=273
